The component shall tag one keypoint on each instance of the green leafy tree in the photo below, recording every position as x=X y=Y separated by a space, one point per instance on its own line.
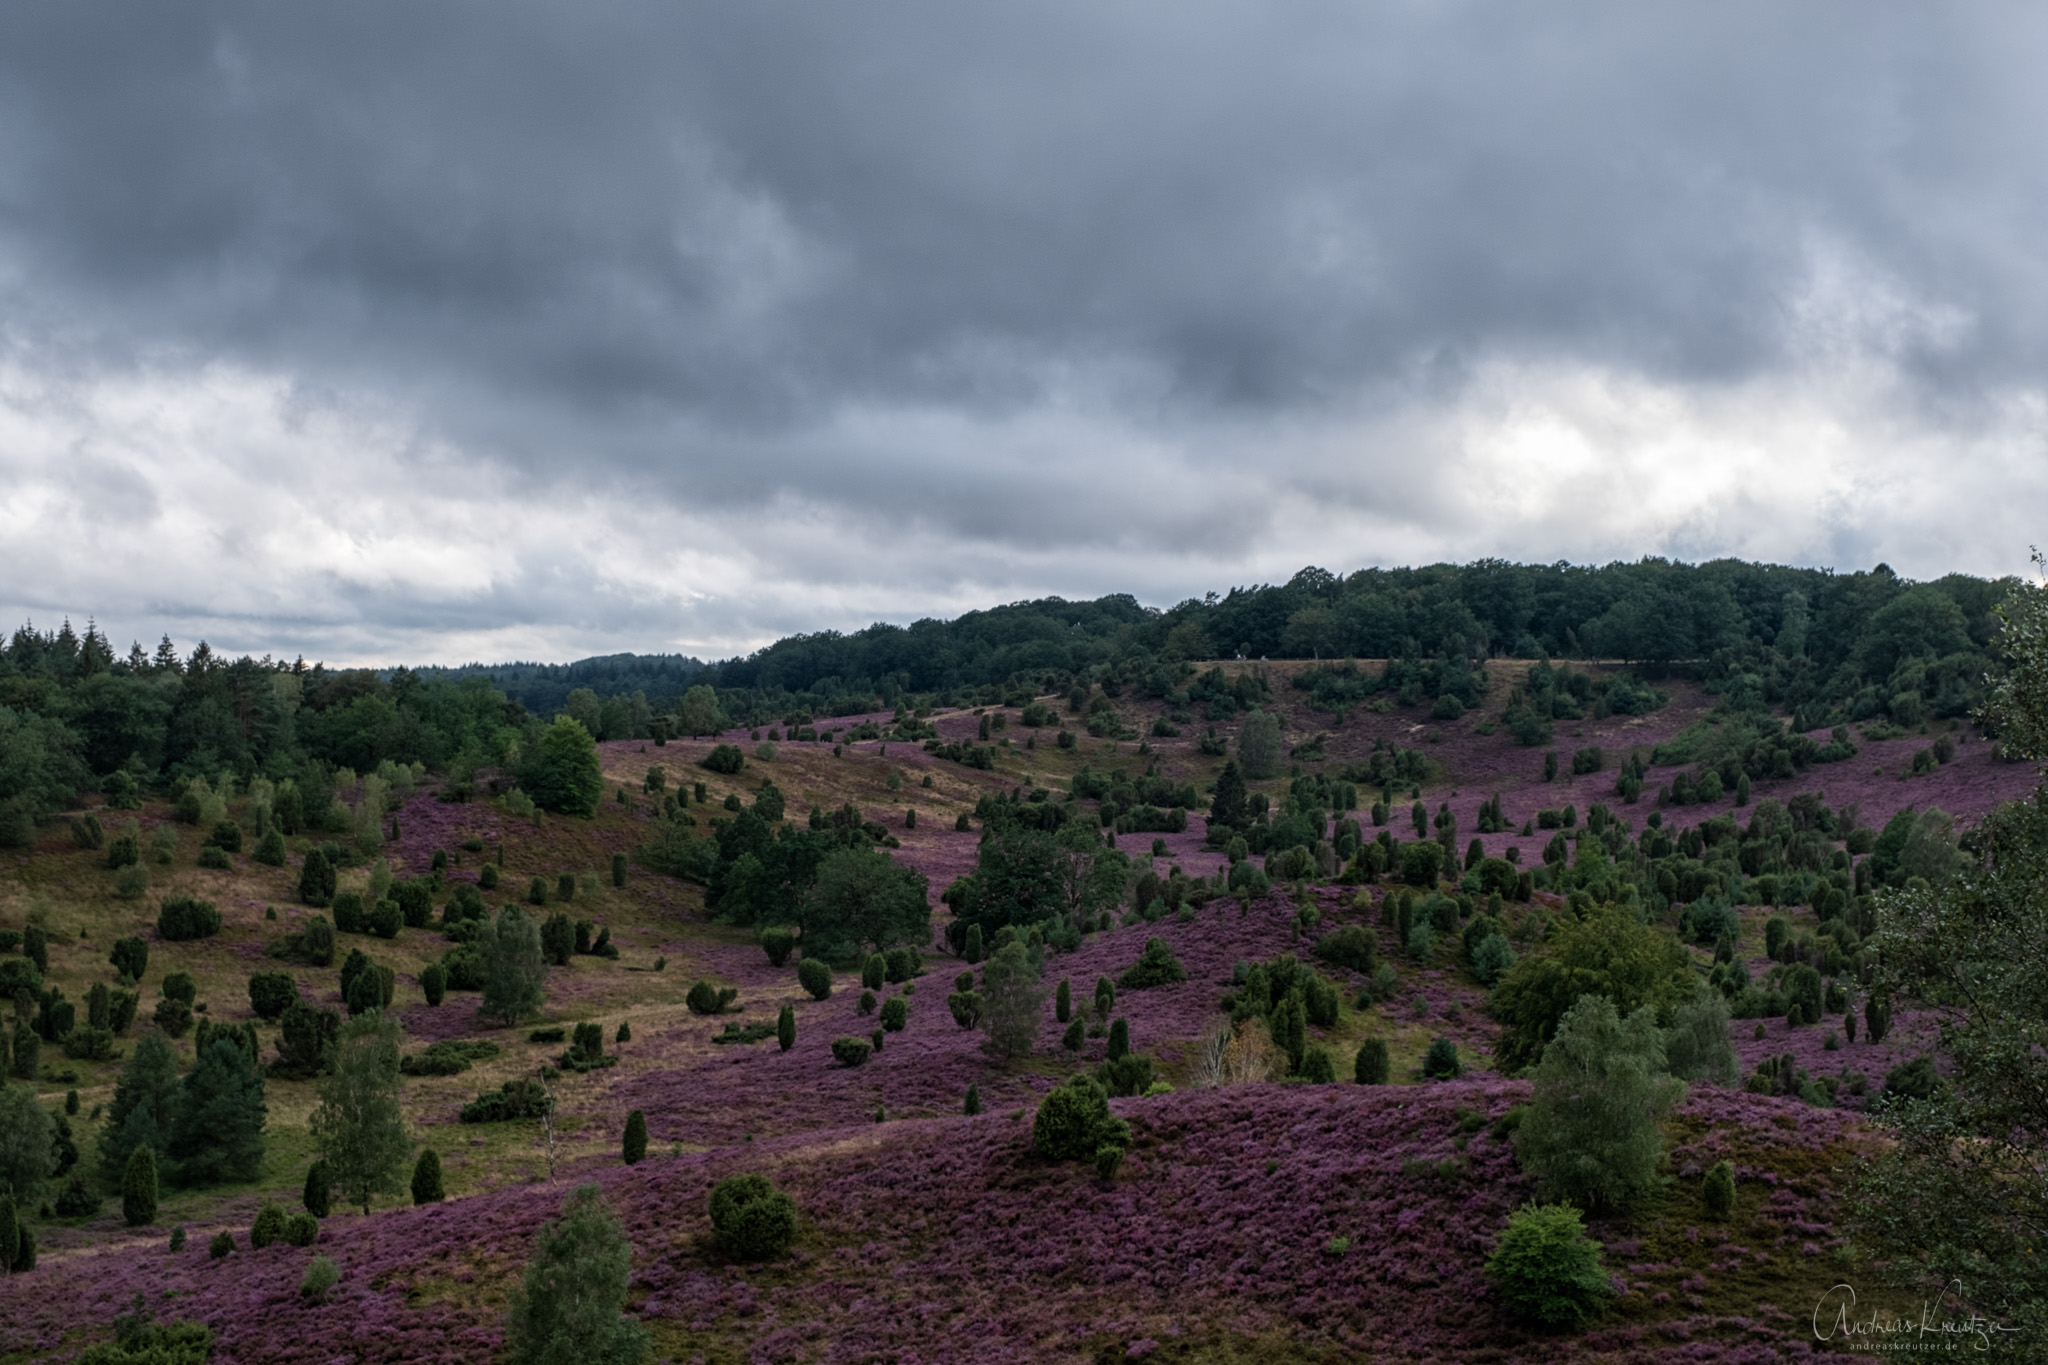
x=1607 y=953
x=863 y=899
x=217 y=1127
x=513 y=966
x=699 y=714
x=1961 y=1190
x=1013 y=999
x=1594 y=1131
x=359 y=1126
x=564 y=775
x=1546 y=1269
x=1259 y=746
x=569 y=1307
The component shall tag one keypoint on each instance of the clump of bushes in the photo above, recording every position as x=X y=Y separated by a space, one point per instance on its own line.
x=751 y=1219
x=1156 y=966
x=449 y=1058
x=516 y=1099
x=705 y=998
x=851 y=1051
x=181 y=919
x=1074 y=1123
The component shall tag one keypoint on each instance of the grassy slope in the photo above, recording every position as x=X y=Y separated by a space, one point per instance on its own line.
x=702 y=1097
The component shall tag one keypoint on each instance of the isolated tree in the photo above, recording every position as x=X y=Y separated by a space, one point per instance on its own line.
x=698 y=714
x=1594 y=1131
x=569 y=1308
x=359 y=1127
x=1259 y=746
x=563 y=775
x=1013 y=1000
x=513 y=966
x=1607 y=953
x=1228 y=806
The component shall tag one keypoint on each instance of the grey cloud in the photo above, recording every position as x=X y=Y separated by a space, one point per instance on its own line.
x=1048 y=290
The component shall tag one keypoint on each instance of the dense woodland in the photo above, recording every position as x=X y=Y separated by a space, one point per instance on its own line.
x=1829 y=648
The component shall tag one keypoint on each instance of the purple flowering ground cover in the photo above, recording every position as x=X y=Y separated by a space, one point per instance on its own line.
x=932 y=1236
x=949 y=1240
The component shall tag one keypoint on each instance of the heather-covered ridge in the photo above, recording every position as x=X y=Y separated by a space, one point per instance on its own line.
x=949 y=1240
x=933 y=1236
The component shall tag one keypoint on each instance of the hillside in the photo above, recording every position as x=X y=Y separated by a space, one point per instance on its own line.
x=932 y=1235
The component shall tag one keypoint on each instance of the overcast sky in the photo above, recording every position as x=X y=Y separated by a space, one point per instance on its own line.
x=403 y=332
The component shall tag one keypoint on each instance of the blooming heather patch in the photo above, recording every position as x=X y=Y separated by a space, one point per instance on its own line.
x=949 y=1240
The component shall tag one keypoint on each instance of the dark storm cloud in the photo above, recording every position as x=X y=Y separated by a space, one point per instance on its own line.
x=965 y=266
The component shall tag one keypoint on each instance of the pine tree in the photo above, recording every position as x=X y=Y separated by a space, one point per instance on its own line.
x=785 y=1028
x=1119 y=1039
x=635 y=1146
x=1063 y=1002
x=973 y=1098
x=426 y=1178
x=138 y=1188
x=217 y=1129
x=144 y=1100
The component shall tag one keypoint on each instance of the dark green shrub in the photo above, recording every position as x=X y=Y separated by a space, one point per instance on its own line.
x=1074 y=1121
x=851 y=1051
x=316 y=880
x=1126 y=1076
x=302 y=1229
x=226 y=836
x=537 y=891
x=815 y=977
x=1119 y=1038
x=320 y=1278
x=901 y=964
x=1075 y=1036
x=181 y=919
x=268 y=1228
x=777 y=943
x=318 y=1193
x=557 y=937
x=87 y=832
x=1913 y=1080
x=426 y=1179
x=214 y=859
x=725 y=758
x=1545 y=1269
x=180 y=986
x=634 y=1146
x=866 y=1004
x=76 y=1200
x=1156 y=966
x=487 y=876
x=751 y=1219
x=385 y=919
x=434 y=982
x=1353 y=946
x=222 y=1244
x=972 y=948
x=173 y=1016
x=565 y=887
x=1718 y=1190
x=967 y=1008
x=1321 y=1002
x=619 y=873
x=895 y=1013
x=139 y=1187
x=130 y=957
x=973 y=1105
x=271 y=993
x=1105 y=996
x=1317 y=1068
x=1441 y=1062
x=523 y=1098
x=874 y=971
x=1063 y=1002
x=348 y=913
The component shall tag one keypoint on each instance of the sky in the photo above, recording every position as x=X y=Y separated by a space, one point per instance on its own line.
x=388 y=332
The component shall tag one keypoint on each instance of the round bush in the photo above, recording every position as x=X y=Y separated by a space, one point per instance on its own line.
x=752 y=1220
x=1372 y=1066
x=301 y=1229
x=1718 y=1189
x=268 y=1228
x=851 y=1051
x=895 y=1013
x=221 y=1245
x=815 y=977
x=1074 y=1121
x=1546 y=1269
